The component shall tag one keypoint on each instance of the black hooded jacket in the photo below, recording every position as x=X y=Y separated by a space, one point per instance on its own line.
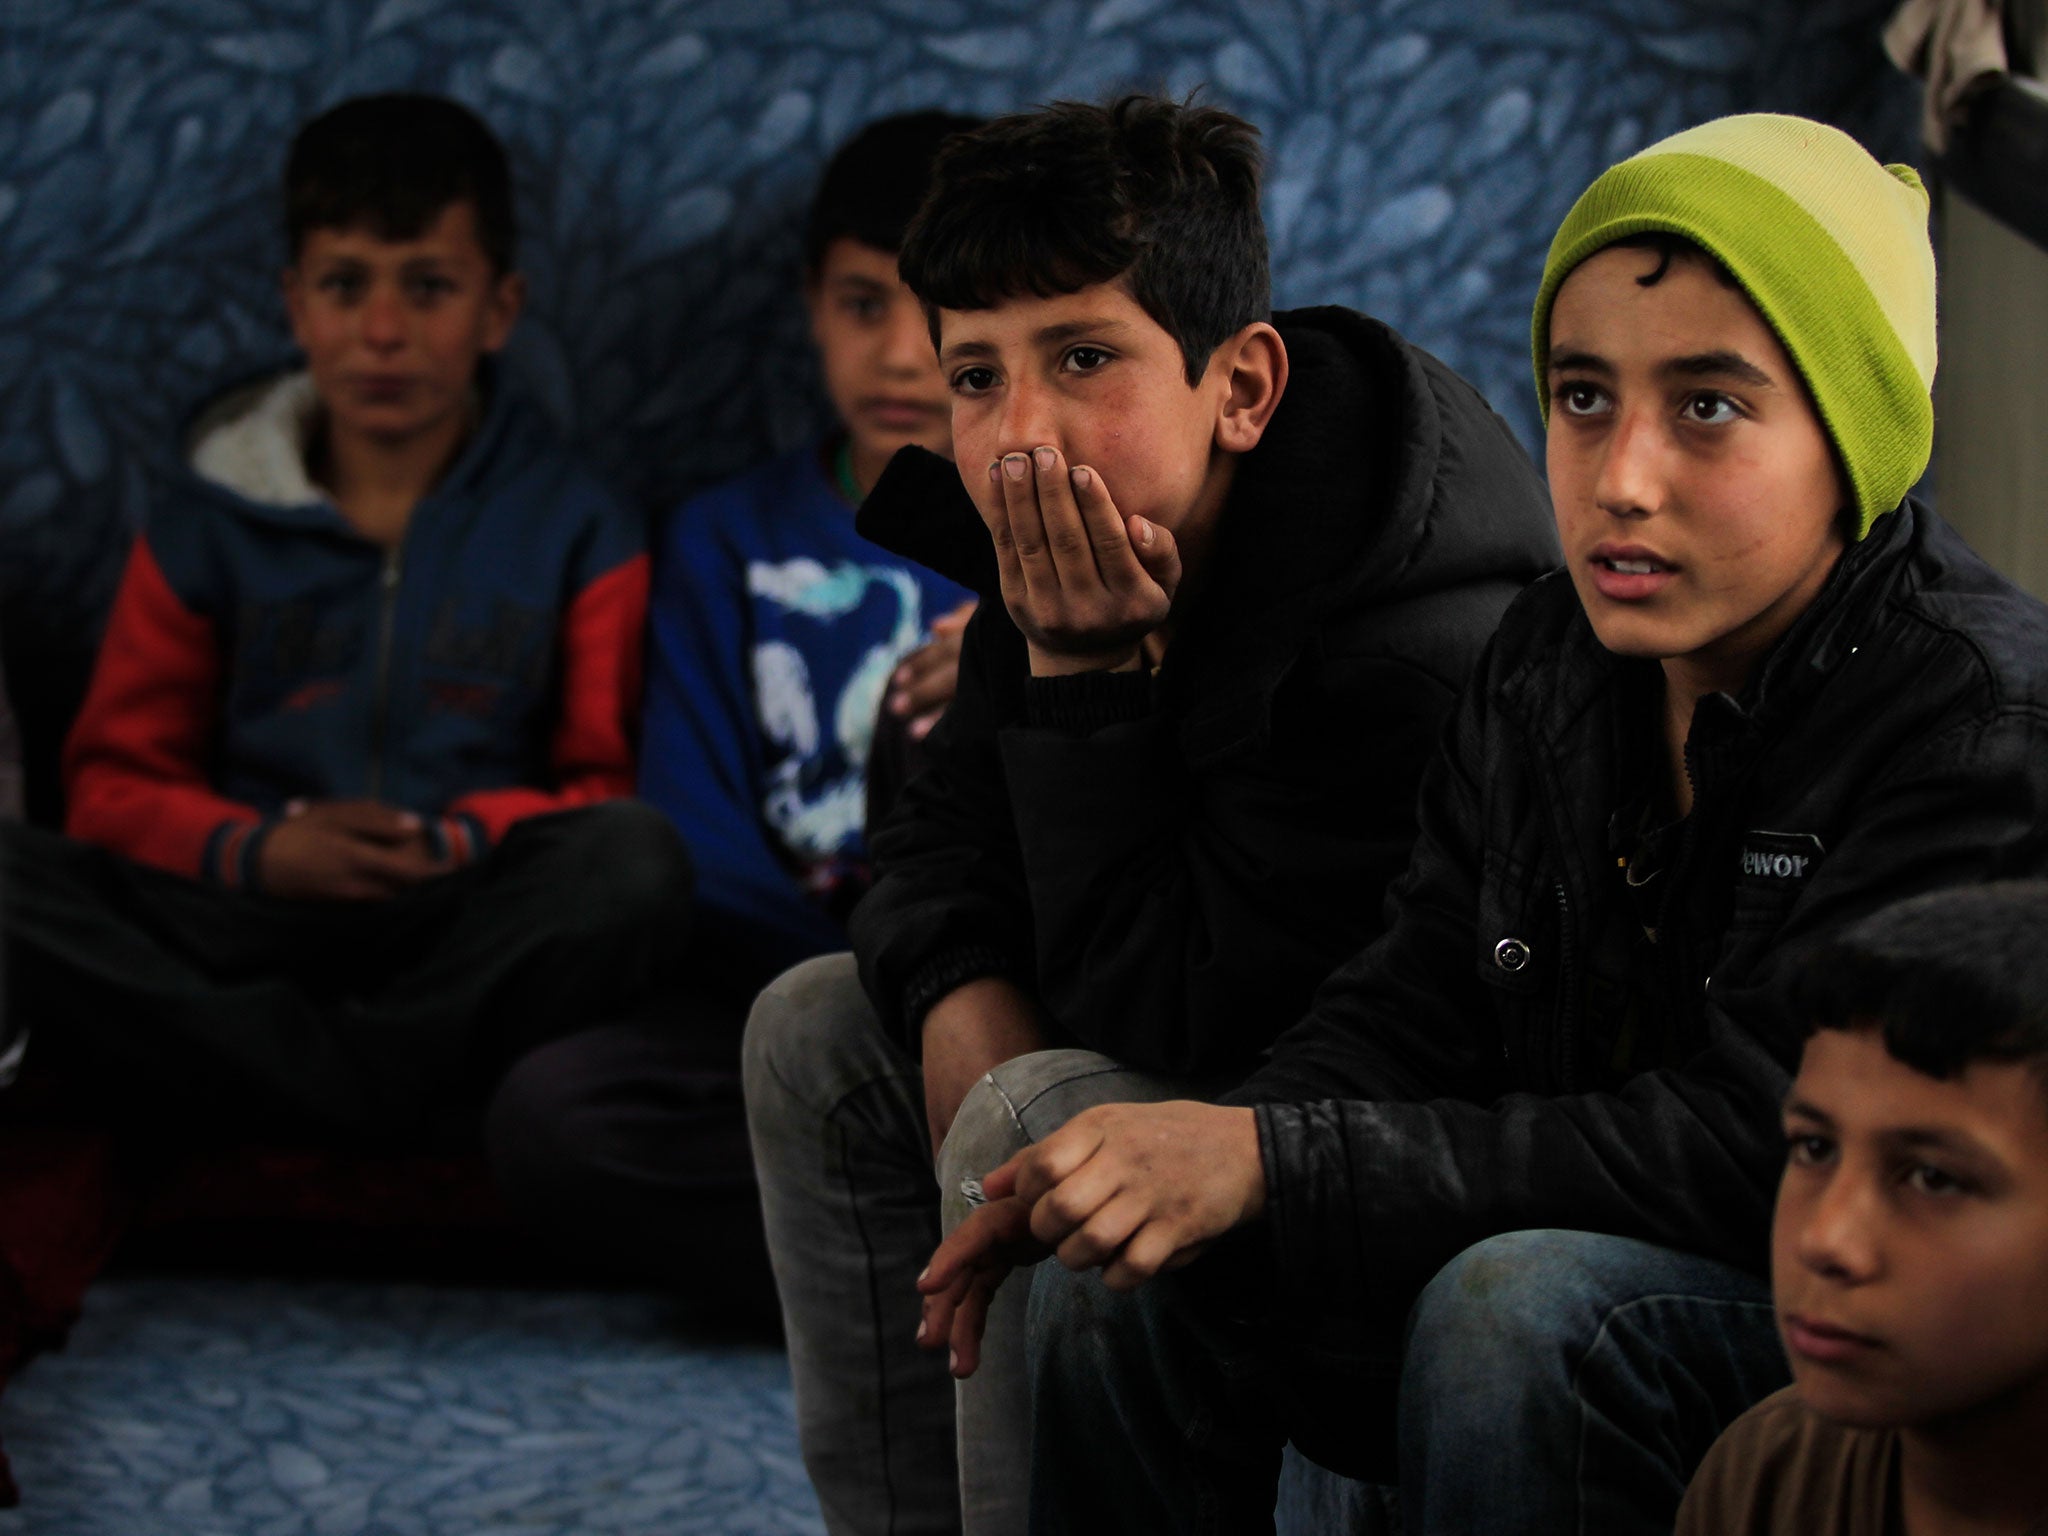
x=1469 y=1073
x=1172 y=863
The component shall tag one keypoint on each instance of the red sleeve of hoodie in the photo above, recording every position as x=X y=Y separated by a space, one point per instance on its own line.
x=603 y=646
x=134 y=763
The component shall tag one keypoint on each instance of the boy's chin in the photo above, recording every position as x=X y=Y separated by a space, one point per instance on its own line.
x=1855 y=1405
x=1628 y=636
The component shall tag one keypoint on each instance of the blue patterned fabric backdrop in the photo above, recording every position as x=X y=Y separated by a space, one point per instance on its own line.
x=1422 y=151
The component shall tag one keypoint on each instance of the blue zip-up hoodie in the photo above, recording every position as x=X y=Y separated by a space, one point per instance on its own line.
x=261 y=650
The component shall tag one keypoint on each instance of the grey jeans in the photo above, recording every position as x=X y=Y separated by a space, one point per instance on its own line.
x=853 y=1208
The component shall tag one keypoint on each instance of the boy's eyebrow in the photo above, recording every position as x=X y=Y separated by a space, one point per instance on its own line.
x=1941 y=1138
x=1070 y=330
x=1721 y=364
x=1579 y=362
x=1807 y=1111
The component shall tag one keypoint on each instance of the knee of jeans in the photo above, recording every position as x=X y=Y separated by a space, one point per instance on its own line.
x=798 y=1031
x=984 y=1135
x=1066 y=1309
x=1509 y=1308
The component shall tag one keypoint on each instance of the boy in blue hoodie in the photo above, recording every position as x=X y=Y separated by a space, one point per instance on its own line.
x=779 y=635
x=347 y=833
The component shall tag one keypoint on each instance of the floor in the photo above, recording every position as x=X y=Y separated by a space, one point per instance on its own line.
x=196 y=1407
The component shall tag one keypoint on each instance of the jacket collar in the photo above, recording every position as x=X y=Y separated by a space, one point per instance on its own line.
x=1558 y=689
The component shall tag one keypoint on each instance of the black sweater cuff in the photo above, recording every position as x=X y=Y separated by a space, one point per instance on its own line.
x=943 y=973
x=1085 y=702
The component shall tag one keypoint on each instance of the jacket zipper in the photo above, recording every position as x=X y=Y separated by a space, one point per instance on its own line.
x=1673 y=955
x=1567 y=1025
x=380 y=699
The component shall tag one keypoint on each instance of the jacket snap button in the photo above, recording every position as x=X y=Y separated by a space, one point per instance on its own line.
x=1511 y=954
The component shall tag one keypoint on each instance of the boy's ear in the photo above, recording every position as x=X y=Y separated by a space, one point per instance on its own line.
x=508 y=298
x=1254 y=368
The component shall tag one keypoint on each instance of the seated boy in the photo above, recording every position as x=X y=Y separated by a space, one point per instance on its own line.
x=1909 y=1256
x=1766 y=696
x=346 y=786
x=1235 y=569
x=776 y=627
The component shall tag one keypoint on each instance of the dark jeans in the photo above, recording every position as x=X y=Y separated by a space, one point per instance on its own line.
x=543 y=992
x=1548 y=1382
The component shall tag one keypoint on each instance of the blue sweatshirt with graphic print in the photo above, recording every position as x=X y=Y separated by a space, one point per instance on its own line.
x=773 y=630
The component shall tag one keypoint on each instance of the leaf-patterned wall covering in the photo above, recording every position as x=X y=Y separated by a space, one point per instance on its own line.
x=1422 y=151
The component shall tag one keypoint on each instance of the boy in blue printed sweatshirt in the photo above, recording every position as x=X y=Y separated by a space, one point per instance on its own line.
x=778 y=633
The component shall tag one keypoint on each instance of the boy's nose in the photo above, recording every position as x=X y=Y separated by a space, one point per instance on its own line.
x=383 y=319
x=1028 y=420
x=1837 y=1233
x=1630 y=481
x=907 y=343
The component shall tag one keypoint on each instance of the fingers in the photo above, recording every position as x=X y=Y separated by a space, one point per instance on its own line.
x=1155 y=1249
x=1018 y=479
x=1157 y=552
x=1116 y=565
x=1052 y=1161
x=1099 y=1239
x=1067 y=533
x=985 y=1234
x=1076 y=1200
x=924 y=681
x=395 y=868
x=1000 y=1183
x=970 y=1320
x=369 y=819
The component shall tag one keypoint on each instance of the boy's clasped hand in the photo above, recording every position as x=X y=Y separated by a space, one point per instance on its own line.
x=1136 y=1189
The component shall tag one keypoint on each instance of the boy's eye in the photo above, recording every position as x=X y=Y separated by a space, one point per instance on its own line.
x=1708 y=408
x=430 y=285
x=1575 y=397
x=343 y=285
x=1808 y=1151
x=1930 y=1180
x=974 y=381
x=865 y=307
x=1086 y=359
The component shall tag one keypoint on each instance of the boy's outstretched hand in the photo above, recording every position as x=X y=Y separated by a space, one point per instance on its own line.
x=1084 y=583
x=1134 y=1189
x=346 y=850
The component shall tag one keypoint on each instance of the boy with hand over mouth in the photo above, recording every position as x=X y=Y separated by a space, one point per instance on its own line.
x=1233 y=566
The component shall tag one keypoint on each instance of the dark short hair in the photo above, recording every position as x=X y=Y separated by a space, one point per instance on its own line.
x=391 y=164
x=1668 y=246
x=1159 y=194
x=1950 y=978
x=873 y=184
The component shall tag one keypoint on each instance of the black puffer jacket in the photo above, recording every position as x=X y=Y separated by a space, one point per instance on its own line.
x=1172 y=864
x=1460 y=1079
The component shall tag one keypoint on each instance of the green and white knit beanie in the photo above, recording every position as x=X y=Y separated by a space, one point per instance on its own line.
x=1829 y=245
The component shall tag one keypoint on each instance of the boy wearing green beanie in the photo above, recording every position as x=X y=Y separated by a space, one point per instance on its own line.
x=1491 y=1222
